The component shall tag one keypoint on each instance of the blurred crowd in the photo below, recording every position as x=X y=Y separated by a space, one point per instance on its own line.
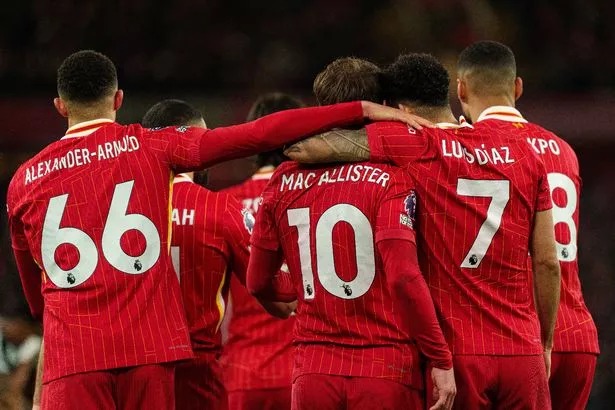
x=218 y=47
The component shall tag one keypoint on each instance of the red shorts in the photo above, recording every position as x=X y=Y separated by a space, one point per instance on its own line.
x=328 y=392
x=572 y=375
x=502 y=382
x=262 y=399
x=198 y=384
x=140 y=387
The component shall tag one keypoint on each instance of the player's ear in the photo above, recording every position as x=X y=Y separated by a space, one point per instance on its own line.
x=462 y=91
x=118 y=98
x=60 y=106
x=518 y=88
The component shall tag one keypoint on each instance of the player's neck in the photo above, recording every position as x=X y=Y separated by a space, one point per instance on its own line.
x=436 y=114
x=481 y=104
x=78 y=118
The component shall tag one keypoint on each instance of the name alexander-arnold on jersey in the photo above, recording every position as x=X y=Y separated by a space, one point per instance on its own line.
x=81 y=156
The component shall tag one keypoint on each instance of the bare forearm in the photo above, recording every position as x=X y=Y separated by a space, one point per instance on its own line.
x=332 y=146
x=547 y=282
x=38 y=386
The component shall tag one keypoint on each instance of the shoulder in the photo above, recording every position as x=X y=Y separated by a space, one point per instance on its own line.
x=386 y=128
x=282 y=170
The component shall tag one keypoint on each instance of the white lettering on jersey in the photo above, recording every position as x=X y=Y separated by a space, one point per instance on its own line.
x=541 y=146
x=346 y=173
x=481 y=156
x=182 y=217
x=81 y=156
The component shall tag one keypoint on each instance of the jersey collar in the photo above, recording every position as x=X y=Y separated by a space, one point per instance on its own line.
x=264 y=172
x=453 y=126
x=502 y=113
x=86 y=128
x=181 y=178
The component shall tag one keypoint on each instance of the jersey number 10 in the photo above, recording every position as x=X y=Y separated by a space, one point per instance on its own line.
x=327 y=275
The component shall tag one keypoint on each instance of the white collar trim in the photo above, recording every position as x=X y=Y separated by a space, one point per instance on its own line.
x=502 y=113
x=85 y=128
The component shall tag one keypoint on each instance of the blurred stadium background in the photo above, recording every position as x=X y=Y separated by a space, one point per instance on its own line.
x=220 y=55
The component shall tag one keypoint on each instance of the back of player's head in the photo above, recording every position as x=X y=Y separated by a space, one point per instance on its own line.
x=268 y=104
x=348 y=79
x=272 y=102
x=167 y=113
x=489 y=68
x=86 y=77
x=416 y=79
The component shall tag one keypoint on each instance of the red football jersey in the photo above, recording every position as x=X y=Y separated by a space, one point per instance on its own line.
x=477 y=196
x=575 y=330
x=258 y=353
x=93 y=213
x=210 y=240
x=327 y=221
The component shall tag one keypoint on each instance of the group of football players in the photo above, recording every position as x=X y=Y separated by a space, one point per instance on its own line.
x=390 y=256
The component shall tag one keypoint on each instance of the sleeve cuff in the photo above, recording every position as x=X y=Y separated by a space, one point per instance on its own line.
x=376 y=148
x=401 y=234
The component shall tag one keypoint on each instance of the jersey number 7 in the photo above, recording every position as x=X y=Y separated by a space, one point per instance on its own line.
x=499 y=192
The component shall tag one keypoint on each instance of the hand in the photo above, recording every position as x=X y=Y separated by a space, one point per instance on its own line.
x=547 y=355
x=36 y=407
x=444 y=388
x=281 y=310
x=377 y=112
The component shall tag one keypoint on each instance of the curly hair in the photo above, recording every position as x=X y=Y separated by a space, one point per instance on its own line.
x=416 y=78
x=86 y=76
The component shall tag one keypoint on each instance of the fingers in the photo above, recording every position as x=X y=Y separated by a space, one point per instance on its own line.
x=440 y=404
x=445 y=399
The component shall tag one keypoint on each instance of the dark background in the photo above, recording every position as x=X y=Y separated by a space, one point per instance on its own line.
x=220 y=55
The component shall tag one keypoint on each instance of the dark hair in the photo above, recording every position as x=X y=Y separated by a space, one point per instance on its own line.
x=487 y=54
x=416 y=78
x=273 y=102
x=86 y=76
x=490 y=66
x=348 y=79
x=268 y=104
x=170 y=112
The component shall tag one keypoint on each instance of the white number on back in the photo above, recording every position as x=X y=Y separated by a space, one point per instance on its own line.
x=566 y=252
x=327 y=275
x=499 y=192
x=118 y=223
x=175 y=259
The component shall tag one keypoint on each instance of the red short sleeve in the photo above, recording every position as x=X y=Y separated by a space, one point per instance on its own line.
x=543 y=199
x=395 y=143
x=265 y=233
x=238 y=225
x=397 y=212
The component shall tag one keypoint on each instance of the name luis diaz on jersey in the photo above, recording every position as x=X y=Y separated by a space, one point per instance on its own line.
x=82 y=156
x=481 y=155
